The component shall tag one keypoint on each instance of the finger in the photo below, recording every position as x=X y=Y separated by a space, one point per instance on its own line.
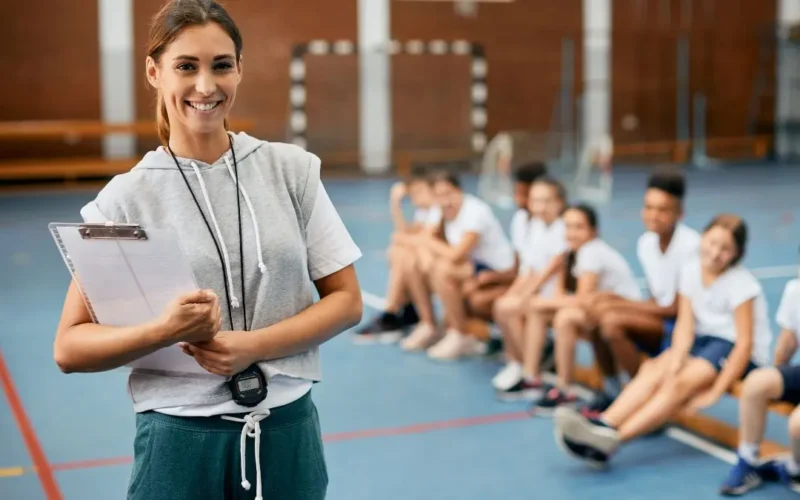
x=213 y=368
x=198 y=296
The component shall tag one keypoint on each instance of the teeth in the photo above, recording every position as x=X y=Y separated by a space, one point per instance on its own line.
x=204 y=106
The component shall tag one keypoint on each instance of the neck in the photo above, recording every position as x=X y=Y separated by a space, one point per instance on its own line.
x=665 y=239
x=207 y=148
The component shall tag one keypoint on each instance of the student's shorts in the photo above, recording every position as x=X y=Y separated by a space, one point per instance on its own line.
x=716 y=351
x=181 y=458
x=480 y=266
x=791 y=383
x=666 y=340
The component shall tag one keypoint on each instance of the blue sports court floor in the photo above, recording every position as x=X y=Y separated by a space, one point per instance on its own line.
x=397 y=426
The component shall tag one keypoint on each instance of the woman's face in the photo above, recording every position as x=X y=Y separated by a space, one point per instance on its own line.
x=577 y=229
x=197 y=76
x=420 y=193
x=449 y=199
x=544 y=202
x=717 y=249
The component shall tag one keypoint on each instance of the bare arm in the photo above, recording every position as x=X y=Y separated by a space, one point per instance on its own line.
x=785 y=348
x=396 y=196
x=338 y=309
x=552 y=269
x=742 y=350
x=683 y=334
x=455 y=253
x=83 y=346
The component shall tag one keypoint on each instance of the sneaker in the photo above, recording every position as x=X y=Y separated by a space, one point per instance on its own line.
x=742 y=478
x=591 y=456
x=494 y=347
x=548 y=363
x=456 y=345
x=776 y=470
x=421 y=337
x=508 y=376
x=523 y=390
x=574 y=427
x=409 y=317
x=599 y=404
x=384 y=329
x=553 y=398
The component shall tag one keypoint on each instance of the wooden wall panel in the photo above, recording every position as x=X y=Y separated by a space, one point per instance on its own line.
x=523 y=43
x=269 y=30
x=52 y=58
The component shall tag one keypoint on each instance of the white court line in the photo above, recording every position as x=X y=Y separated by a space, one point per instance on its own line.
x=680 y=435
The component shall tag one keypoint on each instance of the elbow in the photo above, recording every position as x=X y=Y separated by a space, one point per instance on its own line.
x=355 y=310
x=62 y=359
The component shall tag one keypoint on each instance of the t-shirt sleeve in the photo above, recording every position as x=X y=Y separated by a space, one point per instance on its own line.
x=476 y=220
x=434 y=216
x=787 y=315
x=742 y=288
x=106 y=207
x=589 y=259
x=329 y=245
x=685 y=278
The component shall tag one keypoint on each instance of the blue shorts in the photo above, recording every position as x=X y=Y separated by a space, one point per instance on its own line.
x=480 y=266
x=791 y=383
x=666 y=339
x=716 y=351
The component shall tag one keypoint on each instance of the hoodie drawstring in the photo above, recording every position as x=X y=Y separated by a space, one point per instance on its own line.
x=261 y=266
x=252 y=429
x=234 y=300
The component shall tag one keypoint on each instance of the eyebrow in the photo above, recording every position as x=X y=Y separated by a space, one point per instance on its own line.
x=193 y=58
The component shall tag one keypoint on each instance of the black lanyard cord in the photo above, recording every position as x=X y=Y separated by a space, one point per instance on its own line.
x=211 y=233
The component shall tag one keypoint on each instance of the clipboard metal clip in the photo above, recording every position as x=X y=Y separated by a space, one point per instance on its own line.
x=112 y=232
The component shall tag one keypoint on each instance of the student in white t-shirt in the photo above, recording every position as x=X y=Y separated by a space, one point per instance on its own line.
x=722 y=332
x=474 y=242
x=780 y=382
x=541 y=259
x=403 y=255
x=631 y=327
x=482 y=290
x=591 y=266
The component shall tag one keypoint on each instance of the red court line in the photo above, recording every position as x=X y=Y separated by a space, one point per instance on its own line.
x=42 y=466
x=340 y=436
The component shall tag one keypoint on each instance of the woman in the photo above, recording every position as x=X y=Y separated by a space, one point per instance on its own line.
x=592 y=267
x=257 y=228
x=721 y=333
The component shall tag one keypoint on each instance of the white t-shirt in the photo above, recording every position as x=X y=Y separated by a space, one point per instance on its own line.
x=427 y=216
x=662 y=270
x=713 y=307
x=520 y=224
x=615 y=275
x=788 y=316
x=493 y=248
x=330 y=249
x=543 y=244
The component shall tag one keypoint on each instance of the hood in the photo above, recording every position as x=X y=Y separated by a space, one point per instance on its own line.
x=159 y=159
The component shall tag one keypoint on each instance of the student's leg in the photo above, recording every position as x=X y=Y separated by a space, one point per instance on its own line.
x=481 y=302
x=623 y=329
x=793 y=464
x=638 y=391
x=402 y=262
x=697 y=375
x=534 y=340
x=418 y=281
x=447 y=279
x=759 y=388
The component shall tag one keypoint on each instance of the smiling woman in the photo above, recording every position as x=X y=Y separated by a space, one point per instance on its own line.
x=254 y=321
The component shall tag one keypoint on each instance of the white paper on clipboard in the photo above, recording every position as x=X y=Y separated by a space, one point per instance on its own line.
x=127 y=275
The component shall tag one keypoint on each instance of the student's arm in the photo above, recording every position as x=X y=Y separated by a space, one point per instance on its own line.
x=499 y=277
x=785 y=348
x=737 y=360
x=652 y=308
x=396 y=195
x=553 y=269
x=454 y=253
x=682 y=335
x=587 y=283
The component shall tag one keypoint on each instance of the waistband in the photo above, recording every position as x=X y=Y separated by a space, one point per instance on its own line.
x=281 y=416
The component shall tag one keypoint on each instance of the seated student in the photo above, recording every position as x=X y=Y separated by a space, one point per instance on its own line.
x=475 y=242
x=630 y=325
x=482 y=290
x=762 y=386
x=541 y=260
x=591 y=266
x=403 y=257
x=721 y=333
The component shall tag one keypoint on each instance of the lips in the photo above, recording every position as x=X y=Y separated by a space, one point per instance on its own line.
x=203 y=106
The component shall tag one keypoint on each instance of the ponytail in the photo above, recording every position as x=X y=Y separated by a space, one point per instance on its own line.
x=162 y=120
x=570 y=282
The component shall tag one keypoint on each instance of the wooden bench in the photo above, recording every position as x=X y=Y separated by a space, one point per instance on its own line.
x=72 y=132
x=403 y=160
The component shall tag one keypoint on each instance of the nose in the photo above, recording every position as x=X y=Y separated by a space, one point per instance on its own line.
x=205 y=83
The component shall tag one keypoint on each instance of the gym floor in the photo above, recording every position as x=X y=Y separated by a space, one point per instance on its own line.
x=396 y=425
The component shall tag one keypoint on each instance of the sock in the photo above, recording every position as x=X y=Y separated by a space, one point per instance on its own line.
x=624 y=378
x=793 y=467
x=612 y=387
x=748 y=452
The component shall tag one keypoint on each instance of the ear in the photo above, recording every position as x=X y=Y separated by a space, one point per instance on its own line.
x=152 y=71
x=239 y=68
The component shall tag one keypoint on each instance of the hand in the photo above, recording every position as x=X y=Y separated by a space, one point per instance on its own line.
x=469 y=286
x=193 y=317
x=704 y=400
x=227 y=354
x=398 y=191
x=675 y=365
x=484 y=277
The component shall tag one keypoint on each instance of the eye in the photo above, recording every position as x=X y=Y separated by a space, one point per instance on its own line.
x=223 y=66
x=185 y=67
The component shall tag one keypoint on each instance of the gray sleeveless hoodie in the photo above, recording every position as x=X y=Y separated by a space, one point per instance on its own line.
x=279 y=184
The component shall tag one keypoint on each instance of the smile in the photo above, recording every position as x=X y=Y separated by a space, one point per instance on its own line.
x=203 y=106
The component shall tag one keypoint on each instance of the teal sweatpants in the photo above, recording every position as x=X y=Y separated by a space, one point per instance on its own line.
x=179 y=458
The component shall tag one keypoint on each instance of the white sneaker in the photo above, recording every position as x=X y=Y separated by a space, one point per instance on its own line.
x=508 y=376
x=454 y=346
x=423 y=336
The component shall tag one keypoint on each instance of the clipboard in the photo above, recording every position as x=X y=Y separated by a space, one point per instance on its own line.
x=127 y=275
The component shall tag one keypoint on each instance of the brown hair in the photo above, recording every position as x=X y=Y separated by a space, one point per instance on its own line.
x=738 y=230
x=168 y=23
